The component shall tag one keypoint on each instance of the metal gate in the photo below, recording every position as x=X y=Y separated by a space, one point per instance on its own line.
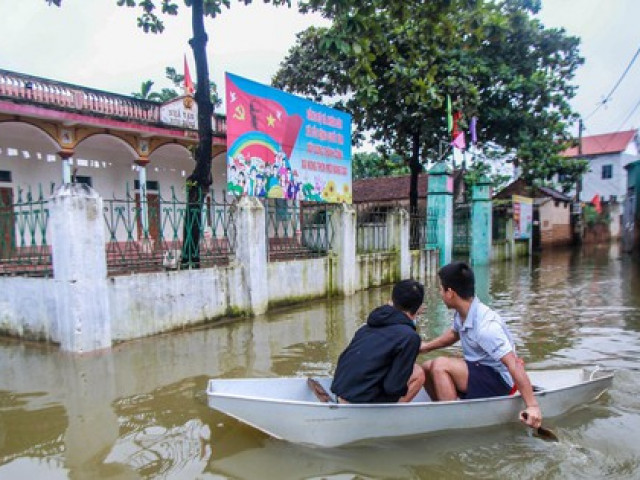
x=629 y=221
x=461 y=228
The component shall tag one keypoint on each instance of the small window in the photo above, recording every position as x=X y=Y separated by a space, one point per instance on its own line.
x=86 y=180
x=5 y=176
x=607 y=171
x=613 y=199
x=152 y=185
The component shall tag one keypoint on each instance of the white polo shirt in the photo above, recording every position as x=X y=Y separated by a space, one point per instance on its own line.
x=485 y=338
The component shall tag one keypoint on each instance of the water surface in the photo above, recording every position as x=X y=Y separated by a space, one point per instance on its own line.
x=139 y=410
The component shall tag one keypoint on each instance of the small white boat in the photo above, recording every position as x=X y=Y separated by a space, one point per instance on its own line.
x=286 y=408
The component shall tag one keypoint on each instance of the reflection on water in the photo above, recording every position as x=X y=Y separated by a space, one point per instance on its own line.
x=139 y=411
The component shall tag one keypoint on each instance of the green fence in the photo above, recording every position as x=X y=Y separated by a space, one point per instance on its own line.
x=24 y=249
x=297 y=229
x=461 y=228
x=147 y=232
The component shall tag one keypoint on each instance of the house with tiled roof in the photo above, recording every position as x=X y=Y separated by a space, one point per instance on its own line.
x=608 y=155
x=394 y=191
x=551 y=212
x=388 y=191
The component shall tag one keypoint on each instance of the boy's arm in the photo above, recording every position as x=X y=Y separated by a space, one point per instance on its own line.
x=533 y=416
x=446 y=339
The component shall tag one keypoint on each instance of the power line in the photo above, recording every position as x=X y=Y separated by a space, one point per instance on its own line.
x=615 y=87
x=629 y=116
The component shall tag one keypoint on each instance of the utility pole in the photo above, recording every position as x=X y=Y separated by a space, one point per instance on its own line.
x=576 y=214
x=579 y=181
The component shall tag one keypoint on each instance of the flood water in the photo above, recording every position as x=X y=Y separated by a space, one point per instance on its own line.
x=139 y=410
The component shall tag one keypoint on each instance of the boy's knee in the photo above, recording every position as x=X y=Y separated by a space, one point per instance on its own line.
x=439 y=365
x=418 y=374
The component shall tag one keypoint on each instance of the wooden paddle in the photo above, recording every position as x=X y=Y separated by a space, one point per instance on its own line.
x=319 y=391
x=543 y=432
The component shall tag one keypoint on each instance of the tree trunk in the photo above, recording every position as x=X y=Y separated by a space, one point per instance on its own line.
x=200 y=179
x=415 y=168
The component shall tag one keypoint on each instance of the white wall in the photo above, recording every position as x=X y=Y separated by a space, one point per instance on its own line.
x=150 y=303
x=593 y=183
x=27 y=306
x=301 y=279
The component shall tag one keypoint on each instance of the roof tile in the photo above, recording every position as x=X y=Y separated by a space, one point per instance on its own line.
x=615 y=142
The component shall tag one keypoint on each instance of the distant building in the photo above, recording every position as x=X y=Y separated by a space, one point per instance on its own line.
x=551 y=212
x=394 y=191
x=608 y=155
x=53 y=132
x=388 y=191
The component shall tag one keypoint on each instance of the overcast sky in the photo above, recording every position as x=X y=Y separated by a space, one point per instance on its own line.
x=96 y=44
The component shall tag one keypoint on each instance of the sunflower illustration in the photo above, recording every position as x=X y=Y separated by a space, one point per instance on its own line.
x=329 y=192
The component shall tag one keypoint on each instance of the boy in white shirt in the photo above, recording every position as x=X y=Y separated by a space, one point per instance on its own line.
x=490 y=366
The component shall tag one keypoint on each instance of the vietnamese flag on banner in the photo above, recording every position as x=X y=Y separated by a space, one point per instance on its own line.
x=246 y=113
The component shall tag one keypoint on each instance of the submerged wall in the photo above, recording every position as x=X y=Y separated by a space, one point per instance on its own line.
x=84 y=310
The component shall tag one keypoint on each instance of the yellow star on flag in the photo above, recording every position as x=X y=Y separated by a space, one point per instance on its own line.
x=271 y=121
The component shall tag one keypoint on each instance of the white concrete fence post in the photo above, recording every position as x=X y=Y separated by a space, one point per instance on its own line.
x=398 y=227
x=344 y=246
x=82 y=320
x=251 y=253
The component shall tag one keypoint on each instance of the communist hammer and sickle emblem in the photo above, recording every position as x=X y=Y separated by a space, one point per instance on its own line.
x=239 y=113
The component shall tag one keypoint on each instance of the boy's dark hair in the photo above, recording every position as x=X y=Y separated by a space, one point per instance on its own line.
x=407 y=295
x=459 y=277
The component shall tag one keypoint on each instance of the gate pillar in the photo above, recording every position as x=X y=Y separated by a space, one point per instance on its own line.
x=440 y=202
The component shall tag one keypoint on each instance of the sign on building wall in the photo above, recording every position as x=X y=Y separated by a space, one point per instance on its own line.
x=181 y=112
x=522 y=217
x=283 y=146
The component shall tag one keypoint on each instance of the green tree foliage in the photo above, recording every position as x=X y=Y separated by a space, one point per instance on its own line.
x=392 y=65
x=166 y=94
x=371 y=164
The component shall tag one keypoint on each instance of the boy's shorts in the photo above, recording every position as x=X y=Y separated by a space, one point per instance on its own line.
x=484 y=382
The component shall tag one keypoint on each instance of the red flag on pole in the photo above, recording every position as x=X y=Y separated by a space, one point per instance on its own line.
x=457 y=134
x=188 y=83
x=595 y=201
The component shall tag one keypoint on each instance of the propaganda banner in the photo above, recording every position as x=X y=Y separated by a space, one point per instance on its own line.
x=283 y=146
x=522 y=217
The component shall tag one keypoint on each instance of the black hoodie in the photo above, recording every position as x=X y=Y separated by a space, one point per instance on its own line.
x=377 y=364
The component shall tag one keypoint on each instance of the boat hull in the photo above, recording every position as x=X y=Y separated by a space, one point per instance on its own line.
x=285 y=408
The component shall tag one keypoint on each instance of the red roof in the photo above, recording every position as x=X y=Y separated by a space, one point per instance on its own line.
x=616 y=142
x=387 y=188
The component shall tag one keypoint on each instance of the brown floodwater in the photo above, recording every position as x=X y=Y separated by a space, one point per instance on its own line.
x=139 y=410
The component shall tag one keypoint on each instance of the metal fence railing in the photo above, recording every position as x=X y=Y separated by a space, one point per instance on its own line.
x=297 y=229
x=499 y=218
x=147 y=232
x=371 y=228
x=24 y=249
x=461 y=228
x=423 y=229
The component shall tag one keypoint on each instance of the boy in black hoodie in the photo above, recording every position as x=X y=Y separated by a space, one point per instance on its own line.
x=379 y=366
